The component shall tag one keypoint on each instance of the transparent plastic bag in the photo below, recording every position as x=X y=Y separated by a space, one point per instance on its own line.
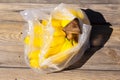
x=47 y=49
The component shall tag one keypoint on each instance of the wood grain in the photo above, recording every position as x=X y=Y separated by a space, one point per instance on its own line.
x=106 y=58
x=25 y=74
x=101 y=64
x=11 y=34
x=12 y=56
x=62 y=1
x=21 y=6
x=110 y=13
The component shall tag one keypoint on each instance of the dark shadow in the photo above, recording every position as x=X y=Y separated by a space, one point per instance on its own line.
x=100 y=34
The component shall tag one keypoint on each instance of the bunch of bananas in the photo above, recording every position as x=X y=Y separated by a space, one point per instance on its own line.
x=62 y=39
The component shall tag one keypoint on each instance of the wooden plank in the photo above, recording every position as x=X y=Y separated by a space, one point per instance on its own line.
x=106 y=15
x=22 y=6
x=107 y=58
x=97 y=11
x=12 y=56
x=10 y=16
x=14 y=48
x=28 y=74
x=97 y=63
x=11 y=33
x=11 y=44
x=62 y=1
x=11 y=38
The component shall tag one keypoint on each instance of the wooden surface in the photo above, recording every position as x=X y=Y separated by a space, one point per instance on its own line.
x=63 y=1
x=101 y=63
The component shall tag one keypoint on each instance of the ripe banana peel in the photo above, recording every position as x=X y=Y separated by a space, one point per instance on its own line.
x=60 y=39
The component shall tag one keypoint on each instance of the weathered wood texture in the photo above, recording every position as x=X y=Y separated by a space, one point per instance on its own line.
x=104 y=64
x=107 y=10
x=63 y=1
x=25 y=74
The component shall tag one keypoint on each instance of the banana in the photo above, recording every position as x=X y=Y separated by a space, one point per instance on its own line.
x=60 y=58
x=56 y=44
x=37 y=41
x=58 y=33
x=65 y=22
x=67 y=45
x=56 y=23
x=34 y=63
x=44 y=22
x=33 y=57
x=77 y=13
x=59 y=44
x=27 y=40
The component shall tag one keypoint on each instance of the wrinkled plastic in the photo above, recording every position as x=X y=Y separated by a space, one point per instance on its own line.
x=38 y=37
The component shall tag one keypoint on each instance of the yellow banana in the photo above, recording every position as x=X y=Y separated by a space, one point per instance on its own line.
x=44 y=22
x=58 y=33
x=34 y=63
x=67 y=45
x=60 y=58
x=34 y=58
x=80 y=14
x=65 y=22
x=36 y=41
x=77 y=13
x=34 y=54
x=55 y=46
x=27 y=40
x=56 y=23
x=59 y=43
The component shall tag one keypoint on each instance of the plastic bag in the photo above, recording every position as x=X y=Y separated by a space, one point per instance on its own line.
x=48 y=48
